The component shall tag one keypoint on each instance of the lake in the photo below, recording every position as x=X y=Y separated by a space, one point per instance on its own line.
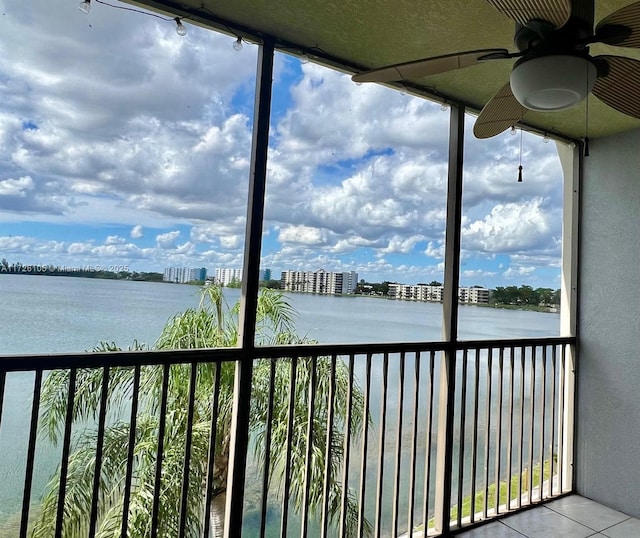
x=62 y=314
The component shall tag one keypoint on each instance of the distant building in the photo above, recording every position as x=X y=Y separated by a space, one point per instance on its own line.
x=226 y=276
x=475 y=295
x=423 y=292
x=182 y=275
x=321 y=282
x=265 y=275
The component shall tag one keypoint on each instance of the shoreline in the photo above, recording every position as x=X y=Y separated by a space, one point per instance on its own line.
x=108 y=275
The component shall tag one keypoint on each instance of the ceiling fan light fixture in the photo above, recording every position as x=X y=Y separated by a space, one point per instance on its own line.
x=554 y=82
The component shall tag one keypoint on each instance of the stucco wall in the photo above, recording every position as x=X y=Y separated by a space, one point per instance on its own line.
x=608 y=400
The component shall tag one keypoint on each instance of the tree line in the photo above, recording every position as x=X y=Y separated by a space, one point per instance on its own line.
x=525 y=295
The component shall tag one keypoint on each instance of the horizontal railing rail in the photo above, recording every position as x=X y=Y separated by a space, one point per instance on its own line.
x=343 y=438
x=91 y=359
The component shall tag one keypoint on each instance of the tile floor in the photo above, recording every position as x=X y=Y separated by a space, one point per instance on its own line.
x=568 y=517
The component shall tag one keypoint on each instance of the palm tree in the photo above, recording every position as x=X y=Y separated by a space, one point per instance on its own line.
x=211 y=325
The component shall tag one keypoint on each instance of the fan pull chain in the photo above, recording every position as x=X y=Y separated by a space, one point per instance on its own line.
x=520 y=163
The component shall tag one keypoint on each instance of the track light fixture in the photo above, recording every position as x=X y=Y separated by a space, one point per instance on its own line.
x=85 y=6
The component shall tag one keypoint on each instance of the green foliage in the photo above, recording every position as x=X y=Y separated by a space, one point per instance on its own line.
x=211 y=325
x=273 y=284
x=525 y=296
x=373 y=288
x=502 y=496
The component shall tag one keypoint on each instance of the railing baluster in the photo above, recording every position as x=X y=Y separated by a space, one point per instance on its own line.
x=133 y=422
x=97 y=473
x=365 y=445
x=287 y=469
x=396 y=487
x=31 y=450
x=155 y=511
x=184 y=509
x=510 y=434
x=553 y=415
x=499 y=427
x=414 y=441
x=521 y=429
x=532 y=410
x=487 y=437
x=309 y=453
x=212 y=451
x=327 y=453
x=267 y=449
x=381 y=443
x=543 y=408
x=463 y=415
x=474 y=437
x=427 y=465
x=347 y=451
x=3 y=377
x=66 y=445
x=561 y=393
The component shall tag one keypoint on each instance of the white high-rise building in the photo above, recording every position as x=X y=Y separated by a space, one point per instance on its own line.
x=226 y=276
x=321 y=282
x=182 y=275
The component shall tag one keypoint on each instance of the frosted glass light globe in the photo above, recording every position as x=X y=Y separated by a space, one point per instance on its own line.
x=553 y=82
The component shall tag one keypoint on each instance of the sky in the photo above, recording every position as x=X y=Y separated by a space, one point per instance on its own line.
x=124 y=145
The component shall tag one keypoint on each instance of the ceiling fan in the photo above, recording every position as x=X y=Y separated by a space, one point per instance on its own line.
x=554 y=70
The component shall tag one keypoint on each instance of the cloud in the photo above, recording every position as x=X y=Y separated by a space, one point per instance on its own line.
x=357 y=175
x=115 y=240
x=510 y=228
x=167 y=240
x=399 y=244
x=231 y=241
x=16 y=187
x=471 y=274
x=302 y=235
x=518 y=271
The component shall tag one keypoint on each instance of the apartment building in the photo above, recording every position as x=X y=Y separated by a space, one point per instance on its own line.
x=225 y=276
x=320 y=282
x=423 y=292
x=182 y=275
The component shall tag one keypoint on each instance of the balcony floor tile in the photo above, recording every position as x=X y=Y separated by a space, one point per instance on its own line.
x=568 y=517
x=588 y=512
x=627 y=529
x=542 y=522
x=497 y=529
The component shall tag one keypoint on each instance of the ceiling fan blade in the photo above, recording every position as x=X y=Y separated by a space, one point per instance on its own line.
x=557 y=12
x=428 y=66
x=620 y=88
x=500 y=113
x=628 y=17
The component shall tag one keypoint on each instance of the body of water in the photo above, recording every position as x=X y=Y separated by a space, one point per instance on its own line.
x=61 y=314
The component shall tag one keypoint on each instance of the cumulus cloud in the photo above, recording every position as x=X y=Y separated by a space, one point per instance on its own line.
x=136 y=232
x=16 y=187
x=302 y=235
x=510 y=227
x=518 y=271
x=230 y=241
x=357 y=175
x=167 y=240
x=399 y=244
